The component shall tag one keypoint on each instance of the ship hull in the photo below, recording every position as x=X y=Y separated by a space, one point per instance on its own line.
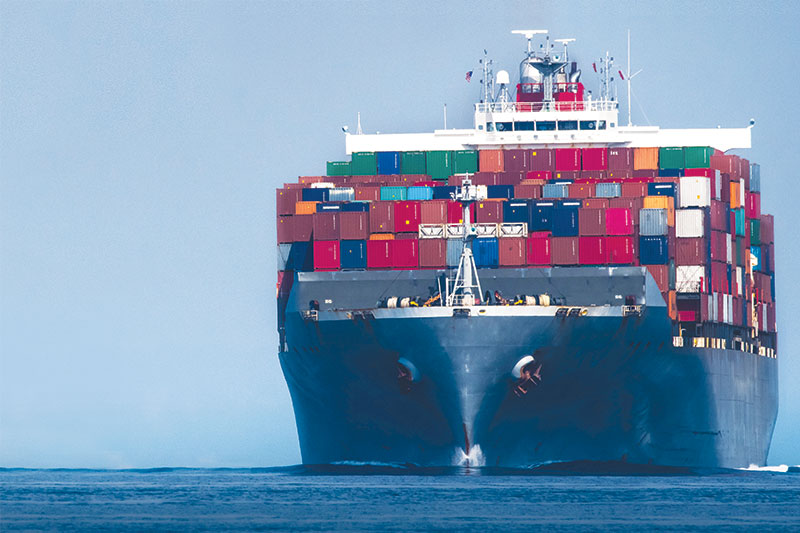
x=612 y=389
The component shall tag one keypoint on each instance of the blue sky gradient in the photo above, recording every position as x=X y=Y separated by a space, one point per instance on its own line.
x=141 y=143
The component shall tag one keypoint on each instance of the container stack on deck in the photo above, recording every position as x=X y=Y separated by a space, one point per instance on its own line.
x=692 y=215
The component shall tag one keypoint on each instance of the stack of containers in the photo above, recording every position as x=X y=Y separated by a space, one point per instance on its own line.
x=692 y=216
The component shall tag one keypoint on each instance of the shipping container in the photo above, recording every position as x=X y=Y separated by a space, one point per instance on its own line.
x=661 y=189
x=753 y=205
x=388 y=163
x=568 y=159
x=594 y=159
x=619 y=221
x=465 y=161
x=755 y=177
x=689 y=223
x=326 y=227
x=633 y=189
x=326 y=255
x=485 y=252
x=407 y=216
x=645 y=158
x=595 y=203
x=354 y=254
x=566 y=176
x=592 y=250
x=564 y=250
x=286 y=200
x=489 y=211
x=580 y=190
x=653 y=250
x=302 y=227
x=671 y=157
x=542 y=216
x=301 y=257
x=338 y=168
x=527 y=191
x=353 y=225
x=368 y=194
x=341 y=194
x=620 y=159
x=394 y=193
x=500 y=191
x=455 y=247
x=515 y=160
x=690 y=278
x=538 y=250
x=413 y=163
x=285 y=229
x=439 y=164
x=739 y=221
x=381 y=217
x=697 y=156
x=364 y=164
x=755 y=232
x=660 y=275
x=516 y=211
x=355 y=207
x=433 y=253
x=719 y=216
x=455 y=212
x=565 y=219
x=608 y=190
x=443 y=192
x=592 y=221
x=541 y=159
x=315 y=195
x=694 y=191
x=511 y=252
x=691 y=251
x=653 y=222
x=767 y=229
x=491 y=161
x=619 y=249
x=379 y=254
x=405 y=254
x=420 y=193
x=433 y=212
x=553 y=190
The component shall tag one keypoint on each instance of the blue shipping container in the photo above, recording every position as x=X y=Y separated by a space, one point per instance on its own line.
x=360 y=206
x=353 y=255
x=653 y=250
x=393 y=193
x=388 y=163
x=661 y=189
x=565 y=219
x=420 y=193
x=516 y=211
x=322 y=207
x=608 y=190
x=315 y=195
x=756 y=252
x=670 y=172
x=486 y=252
x=755 y=177
x=500 y=191
x=542 y=216
x=443 y=192
x=301 y=257
x=554 y=190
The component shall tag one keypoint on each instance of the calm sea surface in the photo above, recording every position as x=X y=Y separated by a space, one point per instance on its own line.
x=372 y=498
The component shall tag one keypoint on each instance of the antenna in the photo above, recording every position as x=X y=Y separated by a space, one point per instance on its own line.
x=565 y=42
x=358 y=128
x=628 y=77
x=529 y=35
x=488 y=78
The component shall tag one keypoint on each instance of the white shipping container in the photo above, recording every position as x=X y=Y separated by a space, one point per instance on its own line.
x=741 y=193
x=727 y=308
x=455 y=231
x=694 y=191
x=717 y=185
x=715 y=307
x=689 y=222
x=341 y=194
x=728 y=249
x=514 y=229
x=486 y=230
x=483 y=192
x=432 y=231
x=689 y=278
x=738 y=281
x=323 y=185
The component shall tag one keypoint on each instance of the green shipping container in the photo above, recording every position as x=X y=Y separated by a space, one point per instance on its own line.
x=465 y=161
x=338 y=168
x=740 y=221
x=697 y=156
x=412 y=163
x=439 y=164
x=364 y=164
x=393 y=193
x=739 y=246
x=755 y=231
x=670 y=157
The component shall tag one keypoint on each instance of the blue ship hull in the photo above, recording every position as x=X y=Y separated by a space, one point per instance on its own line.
x=613 y=388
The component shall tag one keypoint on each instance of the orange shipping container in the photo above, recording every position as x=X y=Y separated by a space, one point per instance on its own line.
x=735 y=194
x=381 y=237
x=645 y=158
x=672 y=305
x=434 y=212
x=305 y=208
x=490 y=161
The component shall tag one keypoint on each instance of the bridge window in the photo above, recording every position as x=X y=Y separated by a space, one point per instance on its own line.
x=588 y=124
x=490 y=126
x=546 y=125
x=601 y=124
x=565 y=125
x=523 y=126
x=503 y=126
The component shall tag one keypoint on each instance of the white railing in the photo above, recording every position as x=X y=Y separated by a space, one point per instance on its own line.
x=538 y=107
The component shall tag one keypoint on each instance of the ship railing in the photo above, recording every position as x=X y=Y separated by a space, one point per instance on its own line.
x=631 y=310
x=526 y=107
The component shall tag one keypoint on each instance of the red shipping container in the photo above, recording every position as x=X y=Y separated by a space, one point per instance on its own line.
x=405 y=254
x=354 y=225
x=432 y=253
x=593 y=175
x=569 y=175
x=539 y=249
x=564 y=250
x=719 y=277
x=690 y=251
x=634 y=189
x=538 y=175
x=568 y=159
x=381 y=217
x=591 y=221
x=490 y=161
x=372 y=194
x=326 y=255
x=753 y=205
x=645 y=173
x=594 y=158
x=379 y=255
x=620 y=159
x=326 y=226
x=596 y=203
x=621 y=175
x=311 y=179
x=510 y=177
x=511 y=251
x=527 y=191
x=541 y=159
x=619 y=221
x=286 y=198
x=285 y=227
x=489 y=211
x=771 y=318
x=302 y=228
x=581 y=190
x=723 y=163
x=718 y=246
x=407 y=216
x=705 y=172
x=515 y=160
x=592 y=250
x=719 y=216
x=687 y=316
x=660 y=274
x=484 y=178
x=620 y=250
x=455 y=212
x=433 y=212
x=294 y=186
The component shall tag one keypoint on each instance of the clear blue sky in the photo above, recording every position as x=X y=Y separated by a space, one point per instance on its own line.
x=141 y=143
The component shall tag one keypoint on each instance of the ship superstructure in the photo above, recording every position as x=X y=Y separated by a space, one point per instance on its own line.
x=546 y=286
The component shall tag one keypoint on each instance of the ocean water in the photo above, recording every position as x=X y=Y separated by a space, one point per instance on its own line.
x=373 y=498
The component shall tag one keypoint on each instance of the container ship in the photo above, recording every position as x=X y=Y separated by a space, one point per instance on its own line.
x=547 y=286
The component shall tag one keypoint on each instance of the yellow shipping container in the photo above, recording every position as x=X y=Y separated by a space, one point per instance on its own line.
x=735 y=195
x=305 y=208
x=662 y=202
x=645 y=158
x=381 y=237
